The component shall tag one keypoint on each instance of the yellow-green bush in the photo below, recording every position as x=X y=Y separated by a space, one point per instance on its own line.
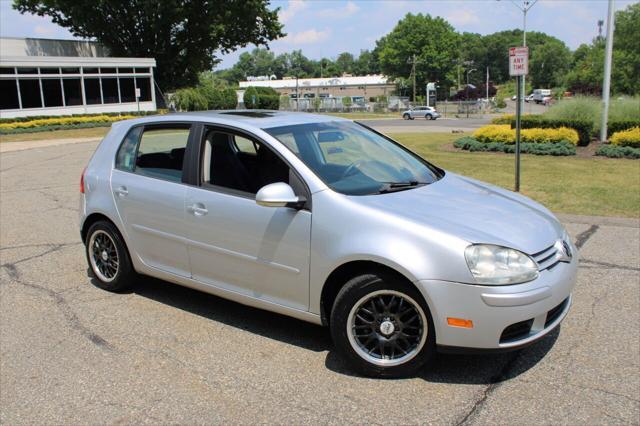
x=629 y=137
x=63 y=121
x=505 y=134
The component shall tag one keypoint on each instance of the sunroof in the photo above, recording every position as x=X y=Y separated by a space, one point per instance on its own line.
x=252 y=114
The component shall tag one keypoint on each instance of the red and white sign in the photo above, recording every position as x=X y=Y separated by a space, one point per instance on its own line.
x=518 y=61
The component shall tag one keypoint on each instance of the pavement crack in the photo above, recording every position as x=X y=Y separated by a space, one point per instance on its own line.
x=607 y=265
x=584 y=236
x=604 y=391
x=53 y=248
x=494 y=383
x=59 y=299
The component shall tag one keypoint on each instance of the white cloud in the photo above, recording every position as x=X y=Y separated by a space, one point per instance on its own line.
x=293 y=8
x=462 y=17
x=341 y=12
x=307 y=37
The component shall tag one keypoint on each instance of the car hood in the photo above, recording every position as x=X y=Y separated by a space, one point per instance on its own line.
x=473 y=211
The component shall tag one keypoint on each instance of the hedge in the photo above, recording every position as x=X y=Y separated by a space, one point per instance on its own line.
x=505 y=134
x=261 y=98
x=54 y=127
x=620 y=125
x=629 y=137
x=110 y=114
x=63 y=121
x=583 y=127
x=616 y=151
x=562 y=148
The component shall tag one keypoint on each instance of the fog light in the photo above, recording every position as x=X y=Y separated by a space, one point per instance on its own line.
x=459 y=322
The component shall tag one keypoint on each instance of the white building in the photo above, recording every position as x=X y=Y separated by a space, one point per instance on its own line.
x=63 y=77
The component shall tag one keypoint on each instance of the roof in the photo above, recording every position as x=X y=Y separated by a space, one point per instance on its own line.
x=74 y=61
x=290 y=83
x=259 y=119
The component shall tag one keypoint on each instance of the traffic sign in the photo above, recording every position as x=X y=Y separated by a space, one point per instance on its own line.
x=518 y=61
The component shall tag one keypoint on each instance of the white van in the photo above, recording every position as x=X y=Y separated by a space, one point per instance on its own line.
x=540 y=94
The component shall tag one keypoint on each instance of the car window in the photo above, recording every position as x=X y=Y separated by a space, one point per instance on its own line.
x=354 y=160
x=125 y=159
x=245 y=167
x=161 y=152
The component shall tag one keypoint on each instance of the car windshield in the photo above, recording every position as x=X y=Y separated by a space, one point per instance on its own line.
x=354 y=160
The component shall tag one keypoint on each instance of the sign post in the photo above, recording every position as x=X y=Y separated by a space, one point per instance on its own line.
x=518 y=67
x=138 y=97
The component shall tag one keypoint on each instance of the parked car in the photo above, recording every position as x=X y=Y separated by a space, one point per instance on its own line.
x=529 y=98
x=328 y=221
x=540 y=94
x=430 y=113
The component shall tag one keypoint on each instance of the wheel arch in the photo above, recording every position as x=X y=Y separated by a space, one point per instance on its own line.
x=343 y=273
x=97 y=217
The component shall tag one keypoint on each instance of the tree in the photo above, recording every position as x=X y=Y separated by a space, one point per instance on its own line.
x=183 y=36
x=434 y=42
x=345 y=63
x=549 y=64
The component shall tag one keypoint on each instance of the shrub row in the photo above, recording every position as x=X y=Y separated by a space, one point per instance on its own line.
x=204 y=97
x=616 y=151
x=63 y=121
x=261 y=98
x=110 y=114
x=629 y=137
x=54 y=127
x=505 y=134
x=557 y=149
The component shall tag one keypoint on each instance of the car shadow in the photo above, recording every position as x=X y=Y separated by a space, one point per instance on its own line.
x=444 y=368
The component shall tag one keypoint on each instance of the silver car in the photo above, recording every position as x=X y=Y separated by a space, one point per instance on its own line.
x=430 y=113
x=327 y=221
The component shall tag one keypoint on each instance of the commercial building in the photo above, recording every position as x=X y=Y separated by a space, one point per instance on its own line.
x=63 y=77
x=362 y=86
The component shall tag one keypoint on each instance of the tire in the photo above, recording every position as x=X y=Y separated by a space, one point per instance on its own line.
x=110 y=263
x=371 y=302
x=428 y=117
x=406 y=117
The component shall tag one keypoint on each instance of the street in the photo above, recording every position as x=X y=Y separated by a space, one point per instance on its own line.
x=71 y=353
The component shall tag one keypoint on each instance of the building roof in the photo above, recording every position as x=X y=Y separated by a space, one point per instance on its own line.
x=290 y=83
x=74 y=61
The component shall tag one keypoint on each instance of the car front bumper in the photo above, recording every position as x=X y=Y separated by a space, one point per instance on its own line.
x=504 y=317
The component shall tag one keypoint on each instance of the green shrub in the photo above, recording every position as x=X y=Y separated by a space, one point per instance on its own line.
x=347 y=101
x=562 y=148
x=583 y=127
x=189 y=99
x=110 y=114
x=48 y=128
x=615 y=151
x=219 y=97
x=261 y=98
x=615 y=126
x=500 y=103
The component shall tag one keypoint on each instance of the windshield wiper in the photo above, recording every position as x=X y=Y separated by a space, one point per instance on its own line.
x=399 y=186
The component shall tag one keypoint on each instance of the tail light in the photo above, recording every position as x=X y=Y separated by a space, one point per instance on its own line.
x=82 y=181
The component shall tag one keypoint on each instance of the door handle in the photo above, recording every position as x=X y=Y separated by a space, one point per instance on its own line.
x=198 y=209
x=122 y=191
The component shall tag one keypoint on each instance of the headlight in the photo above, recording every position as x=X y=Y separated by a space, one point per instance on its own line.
x=495 y=265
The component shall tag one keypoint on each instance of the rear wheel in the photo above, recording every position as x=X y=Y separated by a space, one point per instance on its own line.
x=381 y=326
x=108 y=257
x=429 y=117
x=406 y=116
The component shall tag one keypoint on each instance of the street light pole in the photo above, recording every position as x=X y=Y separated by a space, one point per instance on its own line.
x=606 y=87
x=467 y=96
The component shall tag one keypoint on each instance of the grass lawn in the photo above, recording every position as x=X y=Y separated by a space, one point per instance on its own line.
x=91 y=132
x=587 y=186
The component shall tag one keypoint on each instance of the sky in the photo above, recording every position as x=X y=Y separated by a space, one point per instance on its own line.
x=325 y=28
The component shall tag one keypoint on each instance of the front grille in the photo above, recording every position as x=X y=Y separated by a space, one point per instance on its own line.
x=516 y=331
x=547 y=258
x=554 y=313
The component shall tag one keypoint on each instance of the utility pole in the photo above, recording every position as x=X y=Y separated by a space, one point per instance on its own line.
x=487 y=85
x=413 y=61
x=526 y=6
x=606 y=87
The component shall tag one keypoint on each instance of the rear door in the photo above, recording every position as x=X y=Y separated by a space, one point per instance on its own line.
x=149 y=191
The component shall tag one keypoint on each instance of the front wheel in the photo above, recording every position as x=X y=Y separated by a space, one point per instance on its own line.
x=406 y=117
x=429 y=117
x=382 y=326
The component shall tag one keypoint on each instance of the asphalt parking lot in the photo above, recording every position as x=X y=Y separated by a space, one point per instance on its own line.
x=73 y=354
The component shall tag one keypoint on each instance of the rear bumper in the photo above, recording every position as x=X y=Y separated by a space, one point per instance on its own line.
x=504 y=317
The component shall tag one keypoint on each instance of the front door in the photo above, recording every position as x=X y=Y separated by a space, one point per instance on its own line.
x=235 y=244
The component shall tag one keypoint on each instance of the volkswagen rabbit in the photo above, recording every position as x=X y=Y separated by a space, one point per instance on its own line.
x=328 y=221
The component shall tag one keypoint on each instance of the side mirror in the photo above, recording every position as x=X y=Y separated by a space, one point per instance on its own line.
x=279 y=194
